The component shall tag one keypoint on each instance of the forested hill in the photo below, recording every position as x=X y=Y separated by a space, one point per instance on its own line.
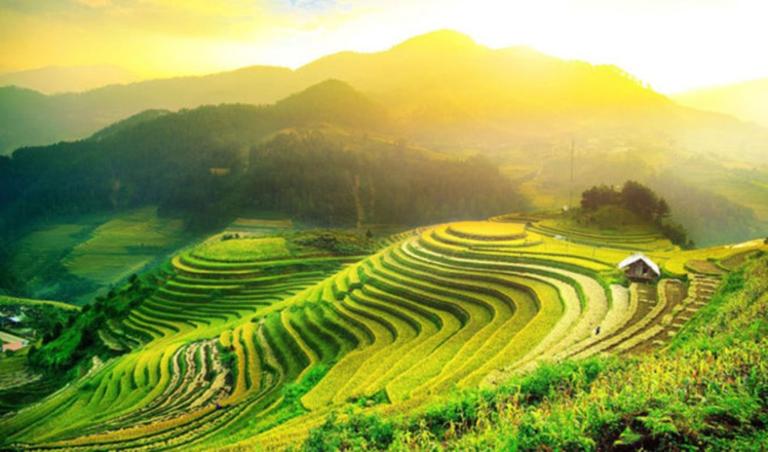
x=316 y=155
x=442 y=87
x=77 y=115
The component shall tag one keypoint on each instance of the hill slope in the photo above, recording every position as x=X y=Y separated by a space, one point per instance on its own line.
x=317 y=155
x=443 y=87
x=747 y=101
x=77 y=115
x=703 y=392
x=54 y=79
x=256 y=348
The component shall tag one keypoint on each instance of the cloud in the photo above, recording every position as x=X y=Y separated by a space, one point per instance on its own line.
x=314 y=5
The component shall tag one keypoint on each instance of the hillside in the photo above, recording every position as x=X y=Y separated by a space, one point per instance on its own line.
x=671 y=400
x=443 y=87
x=444 y=78
x=747 y=101
x=316 y=156
x=72 y=116
x=518 y=108
x=261 y=340
x=55 y=79
x=171 y=160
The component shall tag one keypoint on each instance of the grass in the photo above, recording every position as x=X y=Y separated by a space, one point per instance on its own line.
x=8 y=300
x=43 y=245
x=242 y=250
x=122 y=246
x=488 y=230
x=75 y=258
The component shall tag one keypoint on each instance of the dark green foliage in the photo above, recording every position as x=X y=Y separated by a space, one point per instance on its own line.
x=312 y=177
x=376 y=398
x=598 y=196
x=600 y=203
x=634 y=196
x=17 y=397
x=643 y=201
x=67 y=345
x=335 y=242
x=196 y=164
x=294 y=391
x=38 y=320
x=228 y=359
x=127 y=123
x=359 y=432
x=677 y=233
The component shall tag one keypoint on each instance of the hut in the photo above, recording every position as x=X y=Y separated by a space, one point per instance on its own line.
x=639 y=267
x=14 y=346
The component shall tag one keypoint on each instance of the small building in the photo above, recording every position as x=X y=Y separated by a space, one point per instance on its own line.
x=639 y=267
x=14 y=346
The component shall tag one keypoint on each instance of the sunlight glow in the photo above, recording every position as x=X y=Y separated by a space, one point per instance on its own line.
x=674 y=45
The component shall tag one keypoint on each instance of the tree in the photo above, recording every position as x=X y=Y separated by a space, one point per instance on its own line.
x=597 y=197
x=662 y=210
x=639 y=199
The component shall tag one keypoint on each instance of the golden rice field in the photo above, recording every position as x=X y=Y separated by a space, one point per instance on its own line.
x=451 y=306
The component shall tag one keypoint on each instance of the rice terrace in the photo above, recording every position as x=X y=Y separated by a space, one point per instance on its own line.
x=449 y=243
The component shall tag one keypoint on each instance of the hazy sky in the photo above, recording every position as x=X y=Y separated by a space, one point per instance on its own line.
x=672 y=44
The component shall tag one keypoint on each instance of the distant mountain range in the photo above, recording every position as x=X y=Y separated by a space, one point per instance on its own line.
x=440 y=89
x=57 y=79
x=441 y=97
x=747 y=101
x=318 y=155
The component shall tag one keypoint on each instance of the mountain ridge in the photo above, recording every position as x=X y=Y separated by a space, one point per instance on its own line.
x=746 y=100
x=436 y=85
x=64 y=79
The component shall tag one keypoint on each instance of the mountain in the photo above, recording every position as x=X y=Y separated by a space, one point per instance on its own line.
x=441 y=89
x=55 y=79
x=127 y=123
x=446 y=74
x=451 y=92
x=747 y=101
x=318 y=155
x=77 y=115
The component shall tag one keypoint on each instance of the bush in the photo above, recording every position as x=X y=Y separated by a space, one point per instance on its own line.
x=66 y=346
x=359 y=432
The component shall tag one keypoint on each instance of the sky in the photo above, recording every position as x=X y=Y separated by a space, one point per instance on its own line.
x=674 y=45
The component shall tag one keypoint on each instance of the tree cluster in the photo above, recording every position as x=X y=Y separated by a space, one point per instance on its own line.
x=69 y=343
x=172 y=160
x=633 y=196
x=641 y=201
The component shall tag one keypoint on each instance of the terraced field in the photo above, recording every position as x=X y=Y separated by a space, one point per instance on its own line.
x=257 y=352
x=92 y=252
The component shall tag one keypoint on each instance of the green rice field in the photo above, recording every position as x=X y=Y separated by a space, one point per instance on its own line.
x=460 y=305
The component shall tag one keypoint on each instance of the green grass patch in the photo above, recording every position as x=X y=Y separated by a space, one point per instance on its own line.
x=243 y=250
